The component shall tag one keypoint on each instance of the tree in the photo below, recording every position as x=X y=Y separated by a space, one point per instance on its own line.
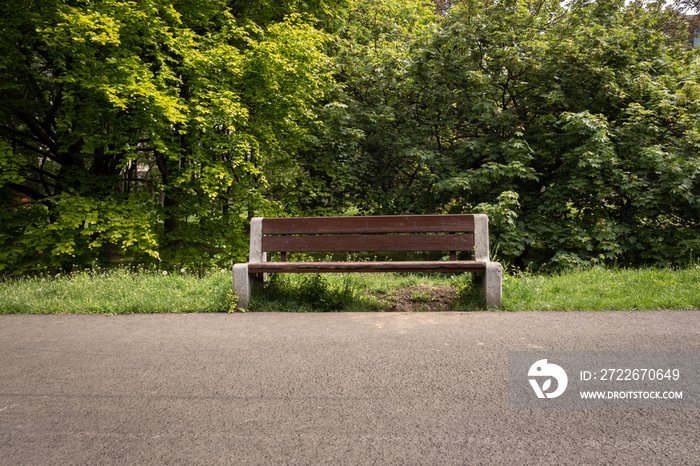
x=574 y=127
x=144 y=129
x=366 y=155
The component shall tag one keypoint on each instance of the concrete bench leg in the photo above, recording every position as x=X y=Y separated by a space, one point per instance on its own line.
x=241 y=284
x=493 y=285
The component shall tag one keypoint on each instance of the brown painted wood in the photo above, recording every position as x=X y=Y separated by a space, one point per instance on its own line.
x=375 y=224
x=348 y=267
x=354 y=243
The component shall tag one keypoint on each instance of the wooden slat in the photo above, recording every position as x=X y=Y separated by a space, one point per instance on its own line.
x=376 y=224
x=347 y=267
x=355 y=243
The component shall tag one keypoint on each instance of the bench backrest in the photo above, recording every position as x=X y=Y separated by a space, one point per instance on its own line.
x=448 y=233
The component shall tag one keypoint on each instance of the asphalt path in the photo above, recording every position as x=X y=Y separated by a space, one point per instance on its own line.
x=276 y=388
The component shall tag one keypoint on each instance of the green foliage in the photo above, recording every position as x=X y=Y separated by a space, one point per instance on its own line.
x=11 y=166
x=263 y=12
x=153 y=131
x=364 y=156
x=231 y=302
x=544 y=103
x=80 y=226
x=148 y=130
x=574 y=127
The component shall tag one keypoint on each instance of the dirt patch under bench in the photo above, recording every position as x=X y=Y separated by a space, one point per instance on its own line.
x=417 y=298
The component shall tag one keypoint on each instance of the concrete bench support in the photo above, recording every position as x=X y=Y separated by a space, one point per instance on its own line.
x=493 y=285
x=241 y=284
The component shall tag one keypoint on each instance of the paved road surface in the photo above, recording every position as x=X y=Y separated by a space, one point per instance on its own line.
x=270 y=388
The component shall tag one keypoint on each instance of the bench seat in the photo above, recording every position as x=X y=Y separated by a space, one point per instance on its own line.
x=347 y=267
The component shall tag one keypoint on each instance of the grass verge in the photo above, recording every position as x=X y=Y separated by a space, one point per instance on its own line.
x=117 y=291
x=121 y=291
x=602 y=289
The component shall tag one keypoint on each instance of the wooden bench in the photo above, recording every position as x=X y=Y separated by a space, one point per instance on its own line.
x=448 y=233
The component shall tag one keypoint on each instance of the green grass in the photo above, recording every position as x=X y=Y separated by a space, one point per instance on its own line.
x=351 y=292
x=121 y=291
x=116 y=291
x=602 y=289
